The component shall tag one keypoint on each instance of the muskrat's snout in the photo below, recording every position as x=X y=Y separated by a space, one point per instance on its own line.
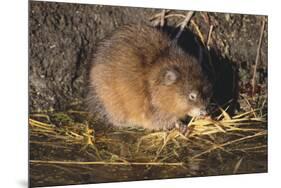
x=203 y=113
x=198 y=112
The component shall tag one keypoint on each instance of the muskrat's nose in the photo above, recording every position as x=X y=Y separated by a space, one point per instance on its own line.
x=202 y=112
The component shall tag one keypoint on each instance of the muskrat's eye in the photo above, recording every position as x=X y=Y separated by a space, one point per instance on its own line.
x=192 y=96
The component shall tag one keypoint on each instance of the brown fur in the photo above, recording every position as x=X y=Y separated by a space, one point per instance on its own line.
x=129 y=81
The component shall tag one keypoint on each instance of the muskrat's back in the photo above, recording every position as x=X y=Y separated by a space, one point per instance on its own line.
x=140 y=77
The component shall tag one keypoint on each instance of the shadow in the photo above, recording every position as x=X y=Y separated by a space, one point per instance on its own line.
x=221 y=71
x=226 y=85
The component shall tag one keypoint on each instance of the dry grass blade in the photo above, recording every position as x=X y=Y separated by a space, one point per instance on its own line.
x=196 y=27
x=39 y=124
x=41 y=115
x=244 y=120
x=229 y=143
x=257 y=56
x=205 y=124
x=168 y=137
x=226 y=116
x=162 y=18
x=246 y=113
x=184 y=24
x=249 y=149
x=209 y=36
x=237 y=165
x=105 y=163
x=163 y=148
x=151 y=137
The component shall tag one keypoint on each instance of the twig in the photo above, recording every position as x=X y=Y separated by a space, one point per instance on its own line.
x=209 y=36
x=184 y=23
x=105 y=163
x=162 y=18
x=257 y=57
x=250 y=148
x=175 y=15
x=47 y=144
x=238 y=164
x=41 y=115
x=156 y=16
x=196 y=27
x=249 y=104
x=41 y=125
x=206 y=17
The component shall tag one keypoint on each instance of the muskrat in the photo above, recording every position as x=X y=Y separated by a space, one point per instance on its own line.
x=139 y=76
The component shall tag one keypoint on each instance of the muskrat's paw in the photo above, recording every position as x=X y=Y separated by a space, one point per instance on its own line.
x=178 y=125
x=188 y=130
x=169 y=127
x=181 y=127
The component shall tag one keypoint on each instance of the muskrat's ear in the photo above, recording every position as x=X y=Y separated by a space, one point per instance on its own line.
x=170 y=76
